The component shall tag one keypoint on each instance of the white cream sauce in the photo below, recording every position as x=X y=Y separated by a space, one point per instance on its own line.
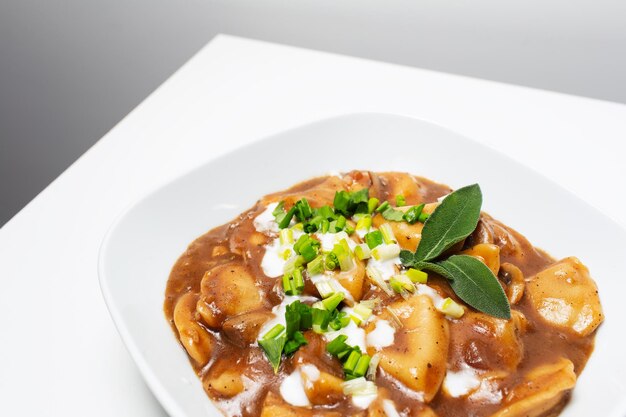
x=292 y=390
x=355 y=334
x=382 y=336
x=389 y=407
x=265 y=222
x=462 y=382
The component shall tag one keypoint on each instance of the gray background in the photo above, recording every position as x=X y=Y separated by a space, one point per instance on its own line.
x=71 y=69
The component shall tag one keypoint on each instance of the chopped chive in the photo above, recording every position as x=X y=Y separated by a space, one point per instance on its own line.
x=400 y=200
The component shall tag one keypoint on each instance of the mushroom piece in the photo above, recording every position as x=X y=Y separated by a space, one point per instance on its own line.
x=243 y=329
x=194 y=338
x=565 y=296
x=417 y=358
x=542 y=392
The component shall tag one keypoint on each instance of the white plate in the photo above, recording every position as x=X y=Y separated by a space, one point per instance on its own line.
x=141 y=247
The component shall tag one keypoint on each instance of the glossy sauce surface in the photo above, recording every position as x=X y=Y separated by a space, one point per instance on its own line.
x=218 y=316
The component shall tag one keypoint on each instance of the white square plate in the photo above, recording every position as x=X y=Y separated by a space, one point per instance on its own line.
x=141 y=247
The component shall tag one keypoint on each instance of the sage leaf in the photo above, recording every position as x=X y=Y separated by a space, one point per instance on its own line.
x=475 y=284
x=433 y=267
x=451 y=222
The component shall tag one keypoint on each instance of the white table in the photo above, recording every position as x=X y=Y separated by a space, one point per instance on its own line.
x=59 y=351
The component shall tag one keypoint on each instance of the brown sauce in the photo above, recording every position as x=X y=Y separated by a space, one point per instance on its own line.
x=509 y=354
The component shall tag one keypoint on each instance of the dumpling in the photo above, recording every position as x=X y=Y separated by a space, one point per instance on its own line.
x=565 y=296
x=417 y=358
x=194 y=338
x=543 y=389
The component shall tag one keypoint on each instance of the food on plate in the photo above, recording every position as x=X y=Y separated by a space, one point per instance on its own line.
x=380 y=294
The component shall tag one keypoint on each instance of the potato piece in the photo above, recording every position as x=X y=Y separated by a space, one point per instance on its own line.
x=226 y=384
x=488 y=253
x=243 y=329
x=352 y=280
x=228 y=290
x=565 y=296
x=543 y=390
x=486 y=342
x=402 y=184
x=194 y=338
x=322 y=389
x=418 y=355
x=275 y=406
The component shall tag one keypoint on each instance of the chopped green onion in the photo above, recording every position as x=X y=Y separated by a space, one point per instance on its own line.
x=392 y=214
x=382 y=207
x=286 y=219
x=301 y=241
x=279 y=209
x=326 y=212
x=412 y=215
x=294 y=343
x=333 y=301
x=274 y=332
x=374 y=239
x=362 y=251
x=364 y=223
x=362 y=366
x=309 y=251
x=298 y=280
x=423 y=217
x=394 y=318
x=340 y=320
x=342 y=201
x=376 y=277
x=386 y=252
x=400 y=200
x=321 y=318
x=387 y=232
x=331 y=261
x=417 y=276
x=293 y=263
x=362 y=311
x=452 y=308
x=286 y=237
x=359 y=387
x=344 y=255
x=350 y=363
x=324 y=288
x=349 y=229
x=303 y=209
x=325 y=226
x=371 y=204
x=338 y=345
x=316 y=266
x=286 y=254
x=401 y=283
x=341 y=223
x=371 y=370
x=287 y=284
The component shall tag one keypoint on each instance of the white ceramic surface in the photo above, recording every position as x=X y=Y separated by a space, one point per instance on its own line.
x=143 y=244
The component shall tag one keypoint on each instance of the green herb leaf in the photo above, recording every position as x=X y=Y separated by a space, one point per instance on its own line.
x=273 y=349
x=433 y=267
x=451 y=222
x=475 y=284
